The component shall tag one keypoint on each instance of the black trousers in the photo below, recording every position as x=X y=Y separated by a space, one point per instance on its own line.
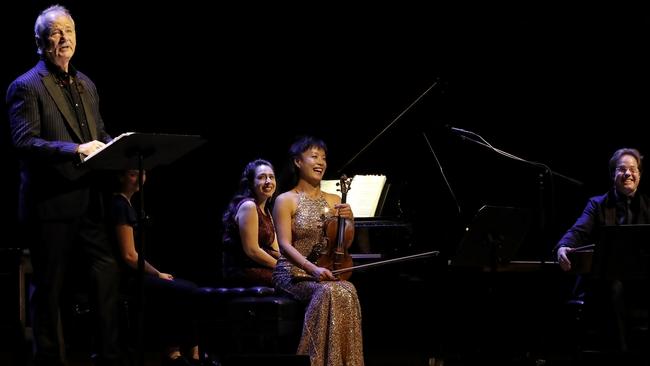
x=54 y=247
x=170 y=310
x=611 y=305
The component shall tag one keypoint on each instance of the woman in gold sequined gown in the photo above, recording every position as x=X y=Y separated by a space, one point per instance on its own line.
x=332 y=330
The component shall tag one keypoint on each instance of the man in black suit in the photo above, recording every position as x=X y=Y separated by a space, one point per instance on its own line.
x=55 y=121
x=623 y=204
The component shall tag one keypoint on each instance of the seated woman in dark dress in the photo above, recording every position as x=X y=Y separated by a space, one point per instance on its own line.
x=168 y=298
x=250 y=247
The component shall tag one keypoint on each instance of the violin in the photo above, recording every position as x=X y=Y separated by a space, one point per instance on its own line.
x=339 y=235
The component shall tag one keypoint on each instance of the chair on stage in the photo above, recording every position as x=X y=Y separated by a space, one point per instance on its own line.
x=610 y=300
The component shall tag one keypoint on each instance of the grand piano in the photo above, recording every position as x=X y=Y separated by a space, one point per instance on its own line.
x=487 y=306
x=504 y=305
x=501 y=312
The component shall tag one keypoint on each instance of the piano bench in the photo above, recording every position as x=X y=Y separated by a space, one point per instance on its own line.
x=249 y=320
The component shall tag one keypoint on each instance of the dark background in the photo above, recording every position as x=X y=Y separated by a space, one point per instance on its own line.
x=563 y=86
x=560 y=85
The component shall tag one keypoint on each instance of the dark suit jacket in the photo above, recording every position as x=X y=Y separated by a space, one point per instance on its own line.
x=601 y=211
x=45 y=132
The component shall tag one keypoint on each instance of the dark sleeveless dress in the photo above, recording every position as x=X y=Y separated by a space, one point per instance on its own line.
x=238 y=268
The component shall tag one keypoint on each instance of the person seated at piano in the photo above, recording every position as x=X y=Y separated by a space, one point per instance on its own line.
x=622 y=204
x=331 y=332
x=169 y=298
x=250 y=246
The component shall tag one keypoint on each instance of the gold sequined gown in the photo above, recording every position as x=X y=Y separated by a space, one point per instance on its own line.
x=331 y=332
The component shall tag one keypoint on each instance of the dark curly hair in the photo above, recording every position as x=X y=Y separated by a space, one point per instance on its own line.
x=246 y=187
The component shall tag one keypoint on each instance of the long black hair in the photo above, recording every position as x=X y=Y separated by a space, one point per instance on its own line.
x=245 y=191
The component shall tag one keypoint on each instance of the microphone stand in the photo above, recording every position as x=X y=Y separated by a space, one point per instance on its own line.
x=542 y=224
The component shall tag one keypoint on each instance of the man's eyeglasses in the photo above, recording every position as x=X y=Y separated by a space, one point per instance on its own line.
x=623 y=169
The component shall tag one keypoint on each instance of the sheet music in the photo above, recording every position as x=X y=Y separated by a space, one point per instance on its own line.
x=364 y=194
x=107 y=145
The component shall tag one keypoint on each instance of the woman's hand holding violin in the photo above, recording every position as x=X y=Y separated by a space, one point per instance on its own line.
x=344 y=210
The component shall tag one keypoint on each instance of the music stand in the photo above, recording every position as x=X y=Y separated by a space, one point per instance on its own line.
x=141 y=151
x=622 y=253
x=493 y=237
